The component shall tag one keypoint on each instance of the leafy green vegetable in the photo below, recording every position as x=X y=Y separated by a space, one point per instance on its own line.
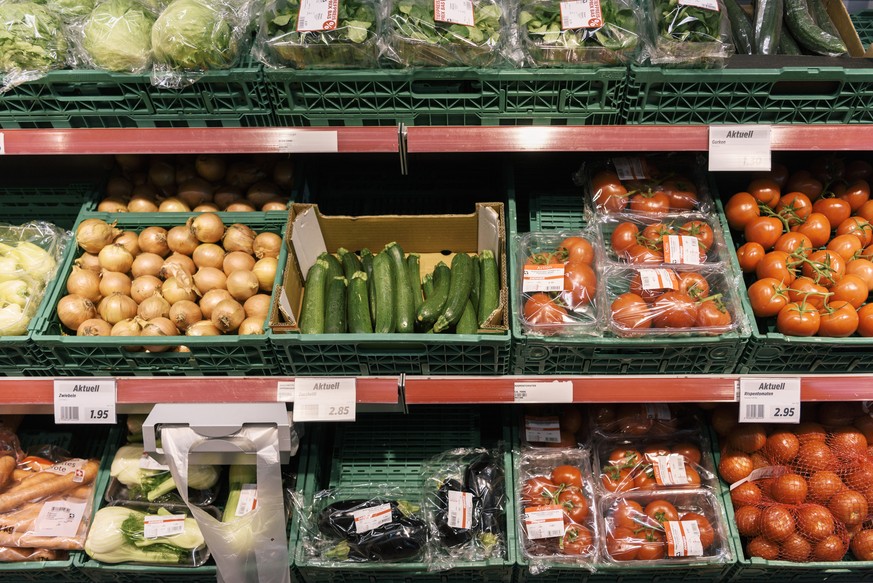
x=31 y=38
x=195 y=35
x=687 y=23
x=118 y=36
x=690 y=36
x=69 y=9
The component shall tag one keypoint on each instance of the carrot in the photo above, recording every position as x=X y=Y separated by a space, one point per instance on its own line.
x=7 y=466
x=13 y=555
x=27 y=491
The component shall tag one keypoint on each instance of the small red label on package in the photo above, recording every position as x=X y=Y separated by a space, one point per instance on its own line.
x=683 y=538
x=460 y=510
x=631 y=168
x=705 y=4
x=682 y=249
x=454 y=12
x=542 y=429
x=761 y=474
x=581 y=14
x=317 y=15
x=661 y=412
x=544 y=521
x=74 y=466
x=670 y=470
x=543 y=278
x=658 y=279
x=248 y=499
x=373 y=517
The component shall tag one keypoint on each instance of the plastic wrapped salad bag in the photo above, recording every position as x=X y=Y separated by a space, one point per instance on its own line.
x=32 y=42
x=690 y=33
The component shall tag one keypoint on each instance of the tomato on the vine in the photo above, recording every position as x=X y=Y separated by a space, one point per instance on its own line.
x=857 y=193
x=768 y=296
x=631 y=311
x=766 y=191
x=749 y=254
x=828 y=168
x=817 y=228
x=539 y=490
x=865 y=320
x=777 y=265
x=857 y=169
x=851 y=288
x=713 y=314
x=661 y=511
x=858 y=226
x=541 y=310
x=576 y=249
x=804 y=289
x=777 y=173
x=674 y=310
x=615 y=479
x=794 y=207
x=694 y=284
x=838 y=320
x=846 y=246
x=575 y=504
x=625 y=458
x=580 y=284
x=628 y=514
x=764 y=230
x=836 y=210
x=794 y=243
x=578 y=540
x=624 y=236
x=863 y=268
x=682 y=193
x=798 y=319
x=803 y=181
x=567 y=475
x=622 y=544
x=824 y=267
x=642 y=254
x=652 y=201
x=701 y=231
x=865 y=211
x=740 y=209
x=653 y=235
x=610 y=194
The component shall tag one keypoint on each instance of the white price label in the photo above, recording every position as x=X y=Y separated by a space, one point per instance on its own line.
x=73 y=466
x=317 y=15
x=553 y=392
x=761 y=474
x=683 y=538
x=738 y=148
x=160 y=525
x=454 y=12
x=542 y=429
x=324 y=399
x=659 y=411
x=543 y=278
x=2 y=144
x=307 y=142
x=581 y=14
x=658 y=279
x=285 y=392
x=248 y=499
x=59 y=518
x=460 y=510
x=147 y=462
x=705 y=4
x=544 y=522
x=681 y=249
x=370 y=518
x=769 y=400
x=85 y=401
x=670 y=470
x=631 y=168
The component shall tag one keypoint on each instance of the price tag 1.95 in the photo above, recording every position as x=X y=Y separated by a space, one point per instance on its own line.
x=324 y=399
x=770 y=400
x=737 y=148
x=85 y=401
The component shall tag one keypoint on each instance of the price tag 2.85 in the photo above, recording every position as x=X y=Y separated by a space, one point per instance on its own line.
x=324 y=399
x=85 y=401
x=770 y=400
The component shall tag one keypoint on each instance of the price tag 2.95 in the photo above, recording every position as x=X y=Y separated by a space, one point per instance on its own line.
x=770 y=400
x=85 y=401
x=324 y=399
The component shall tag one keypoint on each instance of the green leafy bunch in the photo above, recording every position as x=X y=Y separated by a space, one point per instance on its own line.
x=687 y=23
x=414 y=19
x=542 y=21
x=356 y=23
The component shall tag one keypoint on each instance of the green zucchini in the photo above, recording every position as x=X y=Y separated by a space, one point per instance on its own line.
x=413 y=271
x=432 y=307
x=467 y=324
x=312 y=312
x=404 y=307
x=490 y=294
x=358 y=305
x=807 y=33
x=819 y=13
x=427 y=287
x=384 y=290
x=367 y=260
x=335 y=306
x=459 y=292
x=334 y=267
x=350 y=263
x=741 y=27
x=787 y=44
x=474 y=291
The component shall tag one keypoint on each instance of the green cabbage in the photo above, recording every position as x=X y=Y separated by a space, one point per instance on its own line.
x=31 y=38
x=193 y=35
x=118 y=36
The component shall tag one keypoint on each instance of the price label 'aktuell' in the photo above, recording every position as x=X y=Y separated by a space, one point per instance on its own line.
x=738 y=148
x=324 y=399
x=84 y=401
x=770 y=400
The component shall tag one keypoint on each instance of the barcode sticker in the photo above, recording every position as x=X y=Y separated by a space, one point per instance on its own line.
x=161 y=525
x=454 y=12
x=659 y=411
x=59 y=518
x=248 y=499
x=543 y=278
x=761 y=474
x=369 y=518
x=769 y=400
x=683 y=538
x=631 y=168
x=670 y=470
x=581 y=14
x=460 y=510
x=754 y=411
x=73 y=466
x=705 y=4
x=681 y=249
x=317 y=15
x=658 y=279
x=147 y=462
x=544 y=522
x=542 y=429
x=69 y=413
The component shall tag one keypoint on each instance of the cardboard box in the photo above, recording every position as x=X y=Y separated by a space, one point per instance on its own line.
x=434 y=237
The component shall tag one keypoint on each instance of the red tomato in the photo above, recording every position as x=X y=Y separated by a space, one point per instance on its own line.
x=794 y=207
x=804 y=289
x=749 y=254
x=642 y=254
x=865 y=320
x=766 y=191
x=567 y=475
x=798 y=319
x=539 y=490
x=865 y=211
x=615 y=479
x=622 y=544
x=857 y=193
x=857 y=169
x=631 y=311
x=777 y=265
x=580 y=284
x=578 y=540
x=701 y=231
x=628 y=514
x=575 y=504
x=838 y=320
x=624 y=236
x=661 y=511
x=768 y=296
x=609 y=193
x=576 y=249
x=654 y=202
x=836 y=210
x=852 y=289
x=863 y=268
x=858 y=226
x=682 y=193
x=541 y=310
x=764 y=230
x=713 y=314
x=846 y=246
x=825 y=267
x=740 y=209
x=674 y=310
x=689 y=451
x=654 y=234
x=693 y=284
x=803 y=181
x=794 y=243
x=817 y=228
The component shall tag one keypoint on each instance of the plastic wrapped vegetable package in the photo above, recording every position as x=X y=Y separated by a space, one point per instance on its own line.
x=572 y=34
x=686 y=240
x=317 y=34
x=688 y=33
x=629 y=420
x=116 y=36
x=32 y=42
x=427 y=33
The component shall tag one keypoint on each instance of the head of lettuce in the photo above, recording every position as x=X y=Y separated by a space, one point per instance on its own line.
x=195 y=35
x=118 y=36
x=31 y=40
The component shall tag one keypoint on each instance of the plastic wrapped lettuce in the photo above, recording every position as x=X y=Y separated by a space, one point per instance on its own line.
x=318 y=34
x=32 y=42
x=69 y=10
x=689 y=33
x=433 y=33
x=117 y=36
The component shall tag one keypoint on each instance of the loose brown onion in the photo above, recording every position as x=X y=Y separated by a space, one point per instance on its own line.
x=237 y=261
x=175 y=290
x=115 y=258
x=174 y=270
x=209 y=255
x=159 y=327
x=203 y=328
x=226 y=195
x=194 y=191
x=154 y=307
x=181 y=240
x=74 y=309
x=181 y=349
x=94 y=327
x=209 y=207
x=208 y=227
x=116 y=308
x=173 y=205
x=265 y=271
x=228 y=315
x=184 y=173
x=211 y=299
x=162 y=174
x=146 y=264
x=261 y=192
x=238 y=237
x=210 y=167
x=154 y=240
x=243 y=173
x=130 y=241
x=85 y=283
x=89 y=261
x=275 y=205
x=267 y=245
x=141 y=204
x=92 y=235
x=118 y=187
x=258 y=306
x=144 y=287
x=242 y=285
x=251 y=326
x=131 y=162
x=177 y=260
x=128 y=327
x=283 y=173
x=208 y=278
x=112 y=205
x=146 y=191
x=184 y=314
x=113 y=282
x=240 y=207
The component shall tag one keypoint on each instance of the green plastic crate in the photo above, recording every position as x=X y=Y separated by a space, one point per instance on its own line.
x=806 y=90
x=59 y=205
x=364 y=452
x=453 y=96
x=863 y=22
x=228 y=355
x=101 y=99
x=560 y=356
